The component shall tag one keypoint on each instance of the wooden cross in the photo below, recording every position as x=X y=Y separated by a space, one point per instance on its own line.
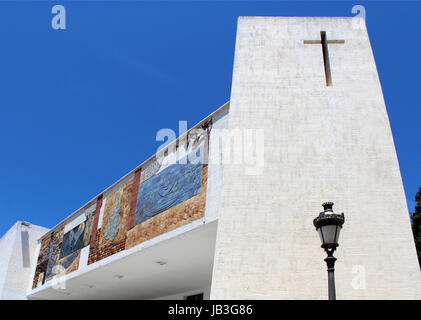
x=324 y=42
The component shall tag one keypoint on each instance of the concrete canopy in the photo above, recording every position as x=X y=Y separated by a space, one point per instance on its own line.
x=180 y=264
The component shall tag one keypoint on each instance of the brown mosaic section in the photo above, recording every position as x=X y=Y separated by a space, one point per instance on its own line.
x=47 y=257
x=185 y=212
x=42 y=263
x=135 y=191
x=43 y=252
x=106 y=243
x=51 y=263
x=40 y=271
x=95 y=228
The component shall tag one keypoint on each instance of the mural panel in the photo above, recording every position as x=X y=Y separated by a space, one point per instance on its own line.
x=150 y=169
x=111 y=236
x=79 y=236
x=54 y=249
x=155 y=199
x=173 y=185
x=48 y=257
x=174 y=196
x=176 y=216
x=112 y=225
x=60 y=252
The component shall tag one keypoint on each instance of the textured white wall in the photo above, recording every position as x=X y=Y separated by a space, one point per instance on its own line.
x=320 y=144
x=215 y=165
x=18 y=256
x=7 y=243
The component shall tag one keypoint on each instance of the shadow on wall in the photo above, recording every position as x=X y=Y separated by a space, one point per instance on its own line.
x=25 y=249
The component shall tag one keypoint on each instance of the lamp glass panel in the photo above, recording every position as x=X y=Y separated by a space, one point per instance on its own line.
x=329 y=233
x=337 y=234
x=320 y=234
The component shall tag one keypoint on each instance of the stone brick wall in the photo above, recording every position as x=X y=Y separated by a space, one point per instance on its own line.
x=135 y=191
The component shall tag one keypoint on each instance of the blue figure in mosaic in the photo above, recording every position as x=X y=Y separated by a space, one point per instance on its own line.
x=69 y=259
x=72 y=241
x=79 y=236
x=112 y=226
x=171 y=186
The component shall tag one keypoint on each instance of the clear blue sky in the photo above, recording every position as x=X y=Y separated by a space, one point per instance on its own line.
x=80 y=107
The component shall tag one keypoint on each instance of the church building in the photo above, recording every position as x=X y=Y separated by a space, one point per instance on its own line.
x=226 y=210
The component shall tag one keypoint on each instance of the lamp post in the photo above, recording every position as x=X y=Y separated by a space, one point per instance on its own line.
x=329 y=224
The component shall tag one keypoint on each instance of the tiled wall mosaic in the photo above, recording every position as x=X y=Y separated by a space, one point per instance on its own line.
x=111 y=236
x=164 y=190
x=60 y=251
x=157 y=198
x=174 y=217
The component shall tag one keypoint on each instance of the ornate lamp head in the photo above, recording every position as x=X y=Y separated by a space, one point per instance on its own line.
x=329 y=224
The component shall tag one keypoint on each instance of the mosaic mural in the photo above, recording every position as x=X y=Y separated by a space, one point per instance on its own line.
x=112 y=225
x=150 y=169
x=174 y=196
x=174 y=217
x=155 y=199
x=173 y=185
x=60 y=252
x=53 y=252
x=111 y=236
x=48 y=257
x=79 y=236
x=67 y=261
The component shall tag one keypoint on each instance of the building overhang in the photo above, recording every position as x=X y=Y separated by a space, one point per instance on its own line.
x=176 y=264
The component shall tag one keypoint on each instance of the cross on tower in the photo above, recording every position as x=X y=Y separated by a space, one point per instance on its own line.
x=324 y=42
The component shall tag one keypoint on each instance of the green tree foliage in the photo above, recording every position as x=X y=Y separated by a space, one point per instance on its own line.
x=416 y=224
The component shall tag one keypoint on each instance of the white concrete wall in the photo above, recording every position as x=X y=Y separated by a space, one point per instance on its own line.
x=215 y=165
x=320 y=144
x=18 y=257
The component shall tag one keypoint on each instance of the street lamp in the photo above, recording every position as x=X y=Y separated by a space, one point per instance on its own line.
x=329 y=224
